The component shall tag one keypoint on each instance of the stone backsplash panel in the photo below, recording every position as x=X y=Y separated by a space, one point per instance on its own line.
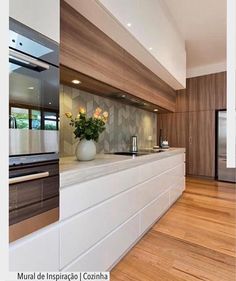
x=124 y=121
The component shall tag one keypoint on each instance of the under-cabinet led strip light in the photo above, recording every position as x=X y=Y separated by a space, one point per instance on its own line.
x=231 y=83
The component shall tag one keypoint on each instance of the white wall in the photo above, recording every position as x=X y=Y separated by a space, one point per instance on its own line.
x=206 y=69
x=41 y=15
x=151 y=26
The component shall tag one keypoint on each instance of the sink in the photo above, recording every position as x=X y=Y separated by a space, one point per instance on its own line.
x=139 y=153
x=129 y=153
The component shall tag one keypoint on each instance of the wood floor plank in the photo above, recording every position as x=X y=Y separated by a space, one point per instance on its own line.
x=195 y=240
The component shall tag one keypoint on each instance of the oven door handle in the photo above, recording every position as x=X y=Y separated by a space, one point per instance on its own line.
x=27 y=61
x=28 y=177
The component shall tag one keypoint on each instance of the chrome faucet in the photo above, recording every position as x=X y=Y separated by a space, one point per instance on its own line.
x=134 y=144
x=12 y=122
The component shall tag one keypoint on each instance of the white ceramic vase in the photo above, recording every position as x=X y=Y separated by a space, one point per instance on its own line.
x=85 y=150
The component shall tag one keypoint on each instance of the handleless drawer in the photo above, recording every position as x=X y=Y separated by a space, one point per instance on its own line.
x=82 y=231
x=36 y=252
x=87 y=194
x=108 y=251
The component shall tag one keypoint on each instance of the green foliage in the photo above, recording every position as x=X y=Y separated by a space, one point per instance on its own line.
x=88 y=128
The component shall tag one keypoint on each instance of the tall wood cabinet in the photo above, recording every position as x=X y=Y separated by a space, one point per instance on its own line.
x=201 y=143
x=193 y=124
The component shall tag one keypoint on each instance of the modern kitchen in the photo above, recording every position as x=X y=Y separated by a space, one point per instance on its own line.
x=117 y=139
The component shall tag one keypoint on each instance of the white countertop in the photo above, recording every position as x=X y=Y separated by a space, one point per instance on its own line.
x=73 y=171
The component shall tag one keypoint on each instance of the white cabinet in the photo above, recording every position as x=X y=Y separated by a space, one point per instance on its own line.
x=87 y=194
x=82 y=231
x=102 y=218
x=176 y=190
x=36 y=252
x=42 y=16
x=104 y=254
x=153 y=211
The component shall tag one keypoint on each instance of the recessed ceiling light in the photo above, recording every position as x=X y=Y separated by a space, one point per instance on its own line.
x=129 y=24
x=123 y=96
x=49 y=103
x=150 y=48
x=30 y=88
x=76 y=81
x=155 y=110
x=144 y=103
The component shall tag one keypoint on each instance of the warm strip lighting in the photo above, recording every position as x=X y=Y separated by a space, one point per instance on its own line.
x=76 y=81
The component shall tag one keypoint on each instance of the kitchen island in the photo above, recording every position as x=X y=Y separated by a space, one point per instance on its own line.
x=106 y=206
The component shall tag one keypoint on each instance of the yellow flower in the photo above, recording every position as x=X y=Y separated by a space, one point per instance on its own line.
x=98 y=110
x=105 y=114
x=68 y=114
x=78 y=116
x=95 y=115
x=82 y=110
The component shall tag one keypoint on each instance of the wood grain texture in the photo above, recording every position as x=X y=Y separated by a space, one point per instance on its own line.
x=220 y=90
x=206 y=92
x=194 y=240
x=99 y=88
x=140 y=80
x=202 y=96
x=182 y=102
x=86 y=49
x=201 y=148
x=171 y=124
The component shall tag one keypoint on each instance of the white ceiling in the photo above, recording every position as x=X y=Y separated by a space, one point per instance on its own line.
x=202 y=23
x=151 y=24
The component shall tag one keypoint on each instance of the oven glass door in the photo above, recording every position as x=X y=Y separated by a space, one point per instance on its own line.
x=34 y=98
x=33 y=105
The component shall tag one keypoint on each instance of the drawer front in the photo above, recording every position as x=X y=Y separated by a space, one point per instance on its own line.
x=176 y=190
x=158 y=167
x=157 y=185
x=153 y=211
x=82 y=231
x=88 y=194
x=37 y=252
x=107 y=252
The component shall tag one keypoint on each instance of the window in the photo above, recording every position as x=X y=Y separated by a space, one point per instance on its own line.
x=36 y=119
x=50 y=121
x=29 y=118
x=22 y=117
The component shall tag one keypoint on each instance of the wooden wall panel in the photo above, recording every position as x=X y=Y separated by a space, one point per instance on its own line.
x=201 y=149
x=174 y=128
x=191 y=94
x=182 y=102
x=202 y=96
x=206 y=92
x=88 y=50
x=220 y=90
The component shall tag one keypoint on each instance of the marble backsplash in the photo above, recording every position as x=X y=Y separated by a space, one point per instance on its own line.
x=124 y=121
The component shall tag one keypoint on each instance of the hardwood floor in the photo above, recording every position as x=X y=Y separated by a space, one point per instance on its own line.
x=194 y=240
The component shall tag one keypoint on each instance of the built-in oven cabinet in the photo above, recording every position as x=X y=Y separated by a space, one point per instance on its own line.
x=33 y=198
x=33 y=91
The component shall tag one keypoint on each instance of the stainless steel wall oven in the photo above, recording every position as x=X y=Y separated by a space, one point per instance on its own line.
x=33 y=130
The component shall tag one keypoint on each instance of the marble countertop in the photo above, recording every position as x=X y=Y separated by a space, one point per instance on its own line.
x=73 y=171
